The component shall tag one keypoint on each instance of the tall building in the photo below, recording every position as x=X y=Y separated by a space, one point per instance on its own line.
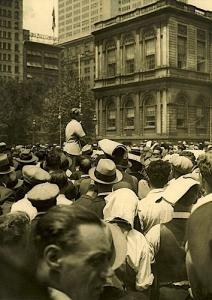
x=154 y=73
x=76 y=18
x=41 y=59
x=11 y=39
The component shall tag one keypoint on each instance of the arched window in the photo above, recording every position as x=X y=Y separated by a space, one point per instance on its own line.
x=111 y=114
x=150 y=48
x=129 y=113
x=129 y=54
x=111 y=58
x=149 y=109
x=201 y=114
x=181 y=111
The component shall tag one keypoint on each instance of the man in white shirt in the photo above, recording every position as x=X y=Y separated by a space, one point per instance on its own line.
x=74 y=136
x=153 y=209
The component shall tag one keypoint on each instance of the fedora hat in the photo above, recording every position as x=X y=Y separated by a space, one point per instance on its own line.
x=105 y=172
x=26 y=157
x=5 y=167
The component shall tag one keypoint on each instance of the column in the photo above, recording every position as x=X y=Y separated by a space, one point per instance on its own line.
x=137 y=52
x=96 y=62
x=158 y=110
x=164 y=111
x=118 y=56
x=165 y=47
x=158 y=48
x=137 y=114
x=101 y=61
x=100 y=124
x=118 y=110
x=97 y=117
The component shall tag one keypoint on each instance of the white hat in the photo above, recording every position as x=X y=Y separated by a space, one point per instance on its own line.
x=109 y=146
x=122 y=204
x=178 y=188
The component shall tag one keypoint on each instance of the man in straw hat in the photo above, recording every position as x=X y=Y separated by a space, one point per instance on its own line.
x=168 y=240
x=104 y=175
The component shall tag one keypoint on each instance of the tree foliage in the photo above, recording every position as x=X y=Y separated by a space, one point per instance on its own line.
x=20 y=102
x=60 y=99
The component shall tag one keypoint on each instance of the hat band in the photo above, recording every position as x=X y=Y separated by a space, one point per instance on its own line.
x=105 y=178
x=5 y=168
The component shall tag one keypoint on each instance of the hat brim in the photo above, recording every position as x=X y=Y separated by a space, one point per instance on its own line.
x=119 y=243
x=8 y=171
x=18 y=184
x=118 y=178
x=33 y=159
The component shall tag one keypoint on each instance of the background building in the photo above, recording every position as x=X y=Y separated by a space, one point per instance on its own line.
x=76 y=22
x=154 y=73
x=41 y=59
x=11 y=39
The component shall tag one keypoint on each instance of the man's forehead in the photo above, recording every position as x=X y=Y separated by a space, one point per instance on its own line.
x=94 y=238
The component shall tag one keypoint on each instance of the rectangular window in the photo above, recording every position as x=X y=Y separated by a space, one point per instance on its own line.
x=201 y=50
x=111 y=62
x=111 y=122
x=182 y=46
x=150 y=53
x=150 y=116
x=129 y=63
x=181 y=52
x=181 y=121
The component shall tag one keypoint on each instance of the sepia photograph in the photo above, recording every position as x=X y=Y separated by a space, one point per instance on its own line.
x=106 y=149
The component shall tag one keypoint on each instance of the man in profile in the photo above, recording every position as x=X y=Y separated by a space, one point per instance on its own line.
x=74 y=136
x=73 y=253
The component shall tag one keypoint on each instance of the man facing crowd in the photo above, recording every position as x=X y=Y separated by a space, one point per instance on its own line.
x=74 y=136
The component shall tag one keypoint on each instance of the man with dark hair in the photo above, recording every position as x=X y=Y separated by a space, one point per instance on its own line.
x=73 y=252
x=84 y=182
x=153 y=209
x=158 y=173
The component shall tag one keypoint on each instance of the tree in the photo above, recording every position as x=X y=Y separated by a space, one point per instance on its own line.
x=20 y=102
x=60 y=99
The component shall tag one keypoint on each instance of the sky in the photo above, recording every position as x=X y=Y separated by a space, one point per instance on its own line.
x=38 y=14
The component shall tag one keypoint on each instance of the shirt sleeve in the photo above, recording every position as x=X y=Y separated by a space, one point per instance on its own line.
x=79 y=130
x=144 y=278
x=153 y=238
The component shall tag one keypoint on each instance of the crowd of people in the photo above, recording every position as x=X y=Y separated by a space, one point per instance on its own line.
x=105 y=221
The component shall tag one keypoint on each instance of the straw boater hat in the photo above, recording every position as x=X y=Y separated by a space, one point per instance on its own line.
x=5 y=167
x=105 y=172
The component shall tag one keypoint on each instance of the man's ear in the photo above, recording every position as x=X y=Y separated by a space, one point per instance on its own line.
x=52 y=255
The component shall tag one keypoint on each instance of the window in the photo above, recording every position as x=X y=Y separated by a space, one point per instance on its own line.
x=111 y=115
x=111 y=58
x=201 y=116
x=129 y=48
x=181 y=112
x=129 y=113
x=182 y=46
x=201 y=50
x=150 y=49
x=149 y=112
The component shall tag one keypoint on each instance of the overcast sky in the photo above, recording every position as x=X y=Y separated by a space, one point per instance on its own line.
x=38 y=14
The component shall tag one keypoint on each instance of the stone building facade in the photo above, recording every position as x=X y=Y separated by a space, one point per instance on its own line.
x=154 y=73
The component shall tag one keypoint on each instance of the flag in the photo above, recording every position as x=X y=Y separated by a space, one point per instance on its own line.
x=53 y=19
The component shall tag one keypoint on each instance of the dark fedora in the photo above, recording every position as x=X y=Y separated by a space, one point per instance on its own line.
x=105 y=172
x=5 y=167
x=26 y=157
